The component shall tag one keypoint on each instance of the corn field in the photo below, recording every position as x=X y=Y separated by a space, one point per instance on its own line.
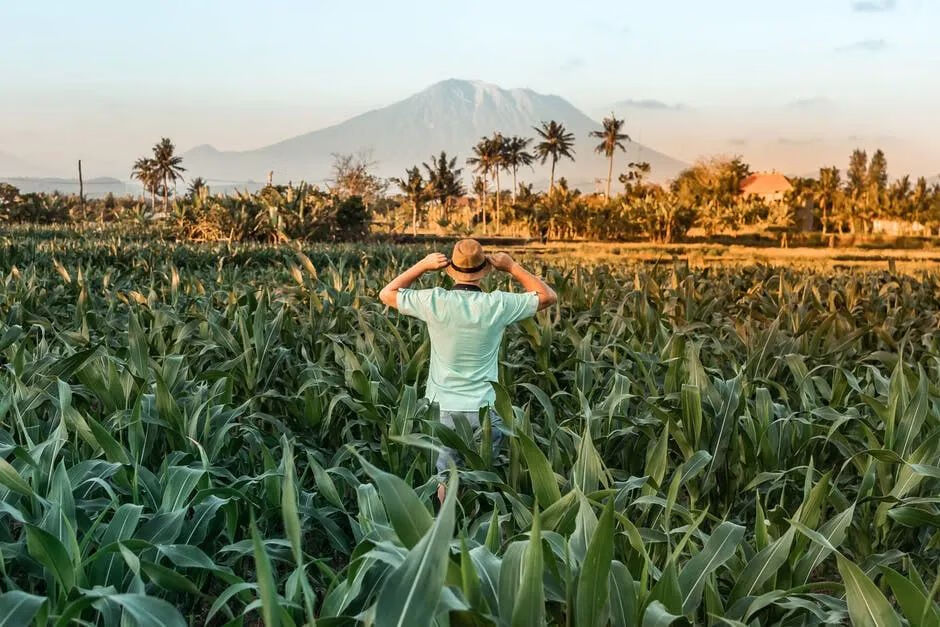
x=215 y=434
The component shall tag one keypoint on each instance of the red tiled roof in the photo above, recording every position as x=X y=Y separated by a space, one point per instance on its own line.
x=765 y=183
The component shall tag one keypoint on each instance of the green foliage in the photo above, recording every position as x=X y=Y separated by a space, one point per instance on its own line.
x=215 y=433
x=9 y=196
x=352 y=219
x=714 y=186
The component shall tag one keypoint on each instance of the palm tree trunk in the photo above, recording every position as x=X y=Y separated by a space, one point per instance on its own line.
x=825 y=221
x=166 y=190
x=485 y=182
x=610 y=172
x=497 y=201
x=551 y=182
x=514 y=186
x=414 y=218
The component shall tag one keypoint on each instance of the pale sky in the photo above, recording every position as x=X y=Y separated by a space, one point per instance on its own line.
x=788 y=85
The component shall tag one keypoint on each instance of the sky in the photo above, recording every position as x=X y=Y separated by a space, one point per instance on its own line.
x=790 y=85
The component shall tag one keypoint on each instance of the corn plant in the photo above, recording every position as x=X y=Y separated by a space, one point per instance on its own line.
x=235 y=434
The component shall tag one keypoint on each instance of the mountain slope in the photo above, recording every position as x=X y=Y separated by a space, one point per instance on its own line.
x=451 y=115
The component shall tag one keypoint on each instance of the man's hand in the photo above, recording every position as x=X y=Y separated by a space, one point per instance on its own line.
x=502 y=261
x=530 y=282
x=434 y=261
x=389 y=293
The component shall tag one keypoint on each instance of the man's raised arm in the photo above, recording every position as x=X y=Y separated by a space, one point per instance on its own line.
x=529 y=282
x=389 y=293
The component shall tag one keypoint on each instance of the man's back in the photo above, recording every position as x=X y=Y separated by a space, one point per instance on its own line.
x=466 y=328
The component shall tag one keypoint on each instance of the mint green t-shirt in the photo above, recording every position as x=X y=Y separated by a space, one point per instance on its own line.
x=466 y=329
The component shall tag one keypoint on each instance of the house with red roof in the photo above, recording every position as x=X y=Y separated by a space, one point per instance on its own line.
x=767 y=186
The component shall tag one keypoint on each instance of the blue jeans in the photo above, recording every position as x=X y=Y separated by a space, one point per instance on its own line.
x=473 y=418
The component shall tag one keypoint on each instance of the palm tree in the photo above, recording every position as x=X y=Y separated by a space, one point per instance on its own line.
x=145 y=171
x=876 y=187
x=856 y=176
x=611 y=139
x=827 y=189
x=444 y=183
x=415 y=190
x=515 y=154
x=479 y=188
x=484 y=161
x=168 y=166
x=556 y=143
x=899 y=197
x=196 y=187
x=498 y=148
x=919 y=199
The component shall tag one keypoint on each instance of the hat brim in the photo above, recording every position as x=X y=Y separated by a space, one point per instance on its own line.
x=472 y=276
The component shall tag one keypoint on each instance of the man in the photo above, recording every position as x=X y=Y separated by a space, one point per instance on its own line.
x=466 y=328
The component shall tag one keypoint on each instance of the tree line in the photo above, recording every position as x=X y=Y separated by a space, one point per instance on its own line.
x=500 y=153
x=434 y=196
x=866 y=195
x=707 y=194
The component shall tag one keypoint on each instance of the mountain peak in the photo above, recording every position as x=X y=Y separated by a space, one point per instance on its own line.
x=203 y=149
x=463 y=84
x=478 y=91
x=470 y=92
x=449 y=115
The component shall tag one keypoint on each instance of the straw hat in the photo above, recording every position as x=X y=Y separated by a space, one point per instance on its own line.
x=468 y=262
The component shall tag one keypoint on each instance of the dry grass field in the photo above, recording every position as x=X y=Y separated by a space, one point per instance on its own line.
x=707 y=254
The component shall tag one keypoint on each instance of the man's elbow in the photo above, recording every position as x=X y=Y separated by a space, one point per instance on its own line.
x=389 y=297
x=547 y=299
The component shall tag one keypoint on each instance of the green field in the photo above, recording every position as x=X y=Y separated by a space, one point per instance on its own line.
x=195 y=434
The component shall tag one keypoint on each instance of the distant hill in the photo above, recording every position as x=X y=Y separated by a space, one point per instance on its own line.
x=450 y=115
x=94 y=188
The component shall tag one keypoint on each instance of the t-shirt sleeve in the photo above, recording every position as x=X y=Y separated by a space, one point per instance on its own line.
x=516 y=307
x=414 y=303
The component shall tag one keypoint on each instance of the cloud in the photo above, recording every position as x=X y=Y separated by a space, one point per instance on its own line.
x=873 y=6
x=738 y=141
x=572 y=64
x=873 y=138
x=650 y=104
x=865 y=45
x=815 y=102
x=798 y=141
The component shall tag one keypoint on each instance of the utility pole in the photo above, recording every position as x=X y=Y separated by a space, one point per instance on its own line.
x=81 y=189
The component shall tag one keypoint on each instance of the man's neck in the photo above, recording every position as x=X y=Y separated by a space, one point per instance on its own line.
x=467 y=287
